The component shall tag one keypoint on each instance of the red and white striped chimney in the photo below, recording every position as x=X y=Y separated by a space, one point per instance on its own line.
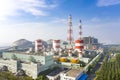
x=79 y=46
x=79 y=42
x=56 y=45
x=70 y=32
x=38 y=45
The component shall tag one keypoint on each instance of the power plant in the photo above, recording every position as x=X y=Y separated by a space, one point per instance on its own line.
x=73 y=54
x=70 y=49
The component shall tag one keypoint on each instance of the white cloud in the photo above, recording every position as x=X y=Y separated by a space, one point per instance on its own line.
x=107 y=2
x=105 y=31
x=7 y=8
x=95 y=19
x=34 y=7
x=60 y=20
x=32 y=31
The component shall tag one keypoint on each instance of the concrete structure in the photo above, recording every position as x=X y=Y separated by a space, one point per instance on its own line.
x=90 y=43
x=38 y=45
x=70 y=65
x=23 y=61
x=79 y=42
x=56 y=45
x=71 y=74
x=86 y=60
x=70 y=52
x=11 y=64
x=55 y=75
x=79 y=46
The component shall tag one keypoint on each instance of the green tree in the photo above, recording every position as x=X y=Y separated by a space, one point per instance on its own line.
x=14 y=57
x=32 y=59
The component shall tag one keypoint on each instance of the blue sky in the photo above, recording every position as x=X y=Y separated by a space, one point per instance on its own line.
x=47 y=19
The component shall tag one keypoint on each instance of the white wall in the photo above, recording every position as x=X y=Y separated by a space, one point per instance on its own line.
x=11 y=64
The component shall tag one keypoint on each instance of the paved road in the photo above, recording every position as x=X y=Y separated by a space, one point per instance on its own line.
x=92 y=75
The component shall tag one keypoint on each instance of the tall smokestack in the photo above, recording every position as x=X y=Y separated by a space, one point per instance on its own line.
x=79 y=42
x=80 y=30
x=70 y=32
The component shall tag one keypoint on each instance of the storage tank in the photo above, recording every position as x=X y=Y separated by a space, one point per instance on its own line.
x=63 y=59
x=38 y=45
x=74 y=60
x=56 y=45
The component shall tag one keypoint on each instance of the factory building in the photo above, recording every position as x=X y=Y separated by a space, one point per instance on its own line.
x=90 y=43
x=31 y=64
x=71 y=74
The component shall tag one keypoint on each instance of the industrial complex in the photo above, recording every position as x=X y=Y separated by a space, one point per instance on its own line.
x=71 y=56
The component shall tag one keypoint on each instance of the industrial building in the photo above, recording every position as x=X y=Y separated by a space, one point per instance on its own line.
x=70 y=74
x=17 y=61
x=91 y=43
x=73 y=74
x=68 y=53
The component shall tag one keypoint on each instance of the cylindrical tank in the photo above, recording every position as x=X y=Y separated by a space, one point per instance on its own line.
x=63 y=59
x=56 y=45
x=79 y=46
x=74 y=60
x=38 y=45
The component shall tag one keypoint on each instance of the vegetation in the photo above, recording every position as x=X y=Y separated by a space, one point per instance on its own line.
x=90 y=68
x=42 y=77
x=113 y=48
x=82 y=64
x=14 y=57
x=6 y=75
x=32 y=59
x=110 y=70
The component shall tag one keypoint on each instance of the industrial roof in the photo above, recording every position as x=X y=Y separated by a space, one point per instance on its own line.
x=55 y=72
x=74 y=72
x=83 y=77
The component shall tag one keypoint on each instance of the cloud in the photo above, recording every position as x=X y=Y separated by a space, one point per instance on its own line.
x=95 y=19
x=32 y=31
x=59 y=20
x=34 y=7
x=106 y=31
x=101 y=3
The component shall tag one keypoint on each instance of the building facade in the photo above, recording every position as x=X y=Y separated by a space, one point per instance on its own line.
x=90 y=43
x=23 y=62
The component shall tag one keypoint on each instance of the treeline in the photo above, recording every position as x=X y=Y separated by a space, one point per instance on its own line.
x=6 y=75
x=109 y=70
x=113 y=48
